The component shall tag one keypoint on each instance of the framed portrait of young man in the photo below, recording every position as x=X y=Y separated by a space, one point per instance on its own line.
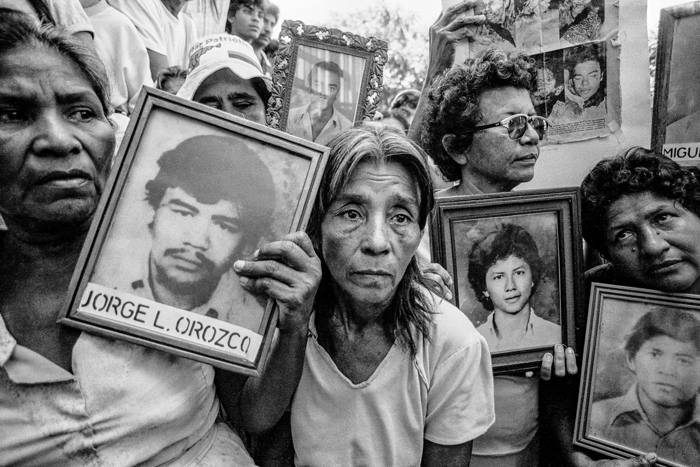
x=192 y=190
x=640 y=386
x=514 y=259
x=324 y=81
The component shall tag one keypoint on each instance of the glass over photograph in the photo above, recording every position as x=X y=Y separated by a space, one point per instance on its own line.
x=325 y=93
x=508 y=282
x=195 y=200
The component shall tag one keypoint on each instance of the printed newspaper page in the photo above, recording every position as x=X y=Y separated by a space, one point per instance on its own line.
x=574 y=45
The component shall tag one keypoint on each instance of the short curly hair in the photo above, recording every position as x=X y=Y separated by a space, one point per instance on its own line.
x=634 y=170
x=499 y=244
x=453 y=101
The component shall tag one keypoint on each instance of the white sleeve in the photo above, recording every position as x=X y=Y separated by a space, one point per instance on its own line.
x=70 y=16
x=460 y=397
x=146 y=17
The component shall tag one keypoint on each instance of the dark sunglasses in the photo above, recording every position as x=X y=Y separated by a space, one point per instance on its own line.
x=517 y=125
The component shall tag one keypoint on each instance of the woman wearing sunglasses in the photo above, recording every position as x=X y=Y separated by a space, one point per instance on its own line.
x=480 y=127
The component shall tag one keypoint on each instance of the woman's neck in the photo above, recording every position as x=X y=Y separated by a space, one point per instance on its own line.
x=512 y=323
x=45 y=245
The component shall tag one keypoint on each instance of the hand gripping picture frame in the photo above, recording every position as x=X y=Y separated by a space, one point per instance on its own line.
x=192 y=190
x=514 y=258
x=324 y=80
x=640 y=382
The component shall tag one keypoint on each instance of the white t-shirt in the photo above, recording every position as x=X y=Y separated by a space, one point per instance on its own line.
x=162 y=32
x=124 y=54
x=209 y=15
x=70 y=16
x=444 y=394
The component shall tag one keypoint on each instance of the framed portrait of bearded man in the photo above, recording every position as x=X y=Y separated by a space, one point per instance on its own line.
x=640 y=384
x=192 y=190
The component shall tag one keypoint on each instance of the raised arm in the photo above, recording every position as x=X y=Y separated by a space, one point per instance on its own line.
x=288 y=271
x=451 y=27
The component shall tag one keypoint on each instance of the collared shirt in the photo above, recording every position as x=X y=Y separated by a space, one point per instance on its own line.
x=265 y=63
x=299 y=124
x=622 y=420
x=539 y=332
x=122 y=405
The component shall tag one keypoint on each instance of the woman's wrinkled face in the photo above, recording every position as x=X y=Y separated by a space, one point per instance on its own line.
x=655 y=242
x=371 y=232
x=55 y=140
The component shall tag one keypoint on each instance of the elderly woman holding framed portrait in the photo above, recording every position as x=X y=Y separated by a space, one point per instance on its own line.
x=641 y=212
x=384 y=373
x=69 y=397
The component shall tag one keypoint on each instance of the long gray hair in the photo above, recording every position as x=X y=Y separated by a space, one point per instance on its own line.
x=410 y=307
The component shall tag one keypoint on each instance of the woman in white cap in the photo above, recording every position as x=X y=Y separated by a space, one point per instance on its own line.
x=225 y=74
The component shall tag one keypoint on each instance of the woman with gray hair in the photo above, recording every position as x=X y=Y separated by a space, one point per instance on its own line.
x=384 y=372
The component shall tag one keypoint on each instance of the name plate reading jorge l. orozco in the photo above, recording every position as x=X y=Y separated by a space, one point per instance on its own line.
x=162 y=319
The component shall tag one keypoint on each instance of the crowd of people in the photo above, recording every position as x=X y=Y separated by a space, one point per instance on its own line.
x=371 y=364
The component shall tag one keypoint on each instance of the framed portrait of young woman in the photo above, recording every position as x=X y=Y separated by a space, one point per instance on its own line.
x=514 y=259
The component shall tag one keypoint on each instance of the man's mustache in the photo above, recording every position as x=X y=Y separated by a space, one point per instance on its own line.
x=206 y=262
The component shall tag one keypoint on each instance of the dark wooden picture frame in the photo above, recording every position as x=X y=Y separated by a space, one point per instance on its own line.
x=255 y=185
x=550 y=218
x=364 y=84
x=625 y=327
x=676 y=75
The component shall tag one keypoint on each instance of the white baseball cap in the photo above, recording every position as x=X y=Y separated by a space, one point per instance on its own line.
x=216 y=52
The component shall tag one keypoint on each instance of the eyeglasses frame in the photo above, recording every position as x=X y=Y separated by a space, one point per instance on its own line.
x=505 y=121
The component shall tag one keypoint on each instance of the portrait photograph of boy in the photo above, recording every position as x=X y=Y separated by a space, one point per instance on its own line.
x=508 y=283
x=646 y=389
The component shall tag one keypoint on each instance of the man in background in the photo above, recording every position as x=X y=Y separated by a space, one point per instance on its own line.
x=319 y=120
x=272 y=16
x=246 y=18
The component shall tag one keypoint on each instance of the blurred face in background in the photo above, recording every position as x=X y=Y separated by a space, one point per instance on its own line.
x=325 y=86
x=269 y=23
